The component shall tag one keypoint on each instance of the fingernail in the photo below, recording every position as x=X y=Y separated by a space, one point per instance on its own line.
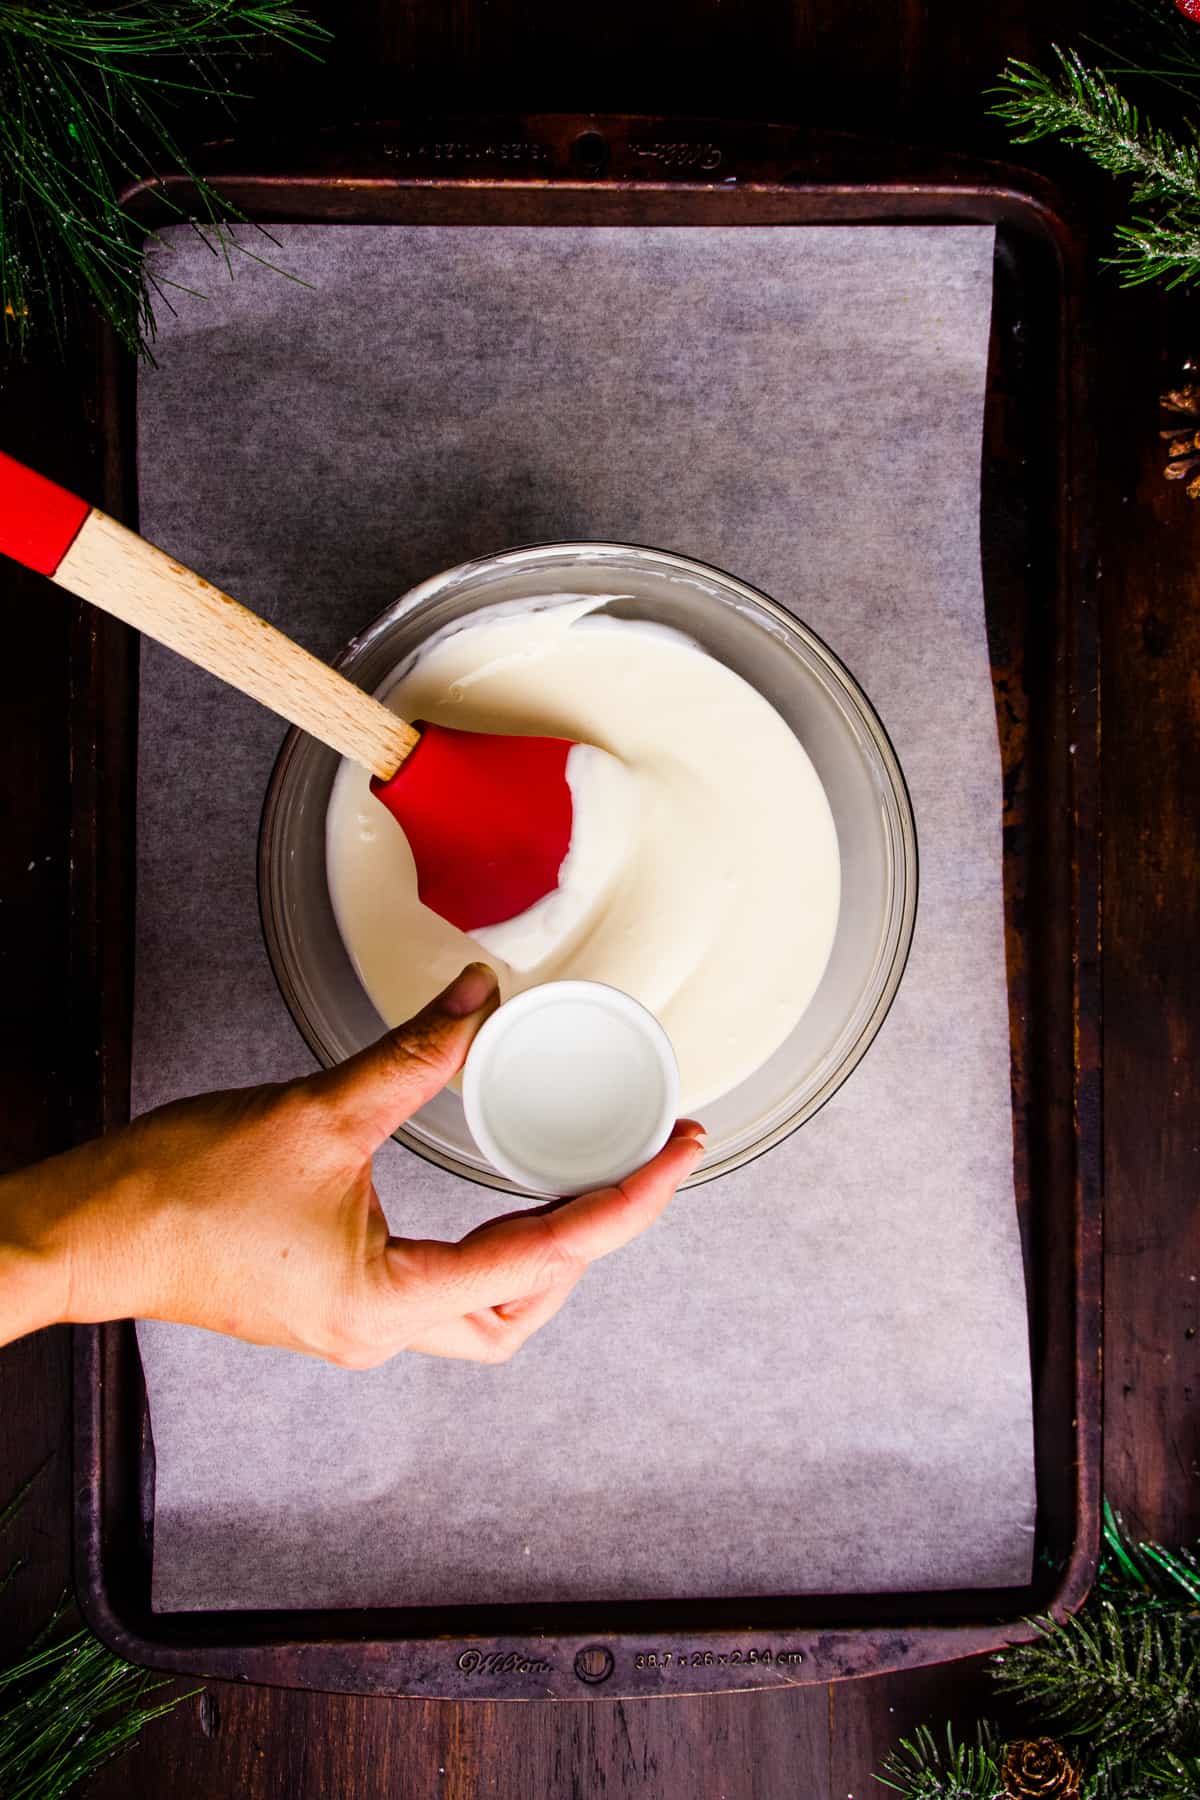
x=689 y=1128
x=699 y=1147
x=467 y=992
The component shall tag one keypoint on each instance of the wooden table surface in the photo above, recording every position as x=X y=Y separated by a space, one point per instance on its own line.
x=914 y=70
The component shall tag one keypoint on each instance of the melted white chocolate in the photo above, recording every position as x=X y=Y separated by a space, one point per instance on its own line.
x=604 y=809
x=723 y=914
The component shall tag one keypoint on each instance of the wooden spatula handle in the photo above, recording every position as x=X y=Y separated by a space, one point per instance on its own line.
x=93 y=556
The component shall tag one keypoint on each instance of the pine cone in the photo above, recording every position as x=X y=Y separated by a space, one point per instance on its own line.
x=1039 y=1769
x=1183 y=438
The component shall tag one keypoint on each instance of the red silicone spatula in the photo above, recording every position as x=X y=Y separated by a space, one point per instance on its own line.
x=489 y=819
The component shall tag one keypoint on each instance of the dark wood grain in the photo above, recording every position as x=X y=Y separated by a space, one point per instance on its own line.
x=258 y=1742
x=911 y=70
x=1151 y=586
x=41 y=420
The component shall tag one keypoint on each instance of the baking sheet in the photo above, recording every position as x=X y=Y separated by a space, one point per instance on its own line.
x=813 y=1375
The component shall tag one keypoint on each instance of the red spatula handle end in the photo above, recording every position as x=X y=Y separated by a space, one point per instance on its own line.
x=39 y=521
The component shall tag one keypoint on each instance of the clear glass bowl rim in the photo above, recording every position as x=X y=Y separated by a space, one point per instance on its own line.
x=901 y=921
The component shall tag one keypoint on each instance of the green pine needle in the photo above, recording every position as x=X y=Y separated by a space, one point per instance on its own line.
x=67 y=1708
x=1122 y=1685
x=1139 y=1576
x=85 y=93
x=1085 y=109
x=1121 y=1681
x=1166 y=250
x=926 y=1769
x=10 y=1574
x=9 y=1511
x=1119 y=1684
x=69 y=1705
x=1149 y=40
x=1171 y=1778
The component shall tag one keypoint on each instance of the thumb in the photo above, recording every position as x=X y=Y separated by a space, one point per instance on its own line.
x=383 y=1085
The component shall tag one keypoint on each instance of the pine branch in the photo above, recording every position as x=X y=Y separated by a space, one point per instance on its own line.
x=68 y=1708
x=85 y=90
x=1122 y=1686
x=141 y=28
x=1120 y=1683
x=69 y=1705
x=1171 y=1778
x=1084 y=109
x=1143 y=1577
x=924 y=1769
x=1166 y=250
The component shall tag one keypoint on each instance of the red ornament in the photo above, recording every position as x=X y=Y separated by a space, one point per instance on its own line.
x=1190 y=9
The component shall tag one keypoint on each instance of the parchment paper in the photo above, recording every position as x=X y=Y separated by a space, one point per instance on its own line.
x=813 y=1374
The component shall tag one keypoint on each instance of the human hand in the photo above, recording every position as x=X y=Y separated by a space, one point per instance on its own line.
x=253 y=1213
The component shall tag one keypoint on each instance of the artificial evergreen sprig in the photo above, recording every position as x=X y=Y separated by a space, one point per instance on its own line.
x=1119 y=1684
x=85 y=92
x=8 y=1513
x=1143 y=1577
x=928 y=1768
x=1085 y=109
x=1171 y=1777
x=65 y=1709
x=68 y=1705
x=1122 y=1686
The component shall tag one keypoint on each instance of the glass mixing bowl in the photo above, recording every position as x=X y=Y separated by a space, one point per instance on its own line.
x=803 y=681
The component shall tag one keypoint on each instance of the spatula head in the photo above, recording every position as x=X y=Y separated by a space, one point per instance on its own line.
x=488 y=820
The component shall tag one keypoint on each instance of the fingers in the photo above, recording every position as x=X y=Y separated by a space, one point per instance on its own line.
x=374 y=1092
x=597 y=1224
x=498 y=1332
x=526 y=1254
